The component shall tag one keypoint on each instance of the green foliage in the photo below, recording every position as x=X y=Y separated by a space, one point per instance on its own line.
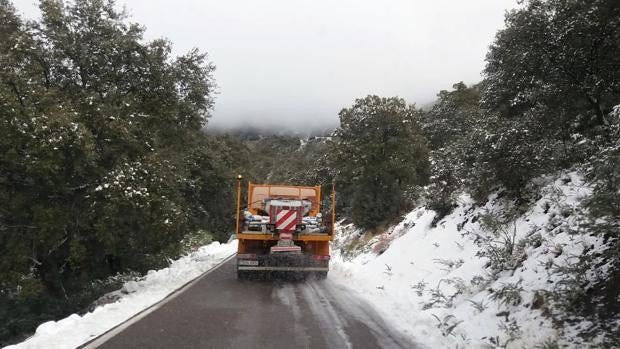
x=558 y=60
x=480 y=151
x=549 y=83
x=508 y=154
x=449 y=125
x=498 y=243
x=590 y=288
x=508 y=294
x=551 y=80
x=208 y=186
x=377 y=153
x=273 y=158
x=287 y=159
x=136 y=198
x=196 y=239
x=104 y=165
x=453 y=116
x=605 y=175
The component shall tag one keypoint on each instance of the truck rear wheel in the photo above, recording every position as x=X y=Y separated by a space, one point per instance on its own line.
x=320 y=275
x=242 y=274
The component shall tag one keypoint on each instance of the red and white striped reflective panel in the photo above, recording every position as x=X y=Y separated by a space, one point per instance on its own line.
x=286 y=220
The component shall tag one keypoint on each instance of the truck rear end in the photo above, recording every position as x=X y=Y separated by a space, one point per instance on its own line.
x=282 y=229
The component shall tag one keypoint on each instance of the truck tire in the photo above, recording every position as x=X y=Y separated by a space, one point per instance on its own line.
x=320 y=275
x=242 y=275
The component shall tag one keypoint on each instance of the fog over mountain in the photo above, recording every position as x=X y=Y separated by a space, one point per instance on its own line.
x=295 y=64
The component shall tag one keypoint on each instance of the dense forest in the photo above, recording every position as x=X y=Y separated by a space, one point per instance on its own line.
x=106 y=169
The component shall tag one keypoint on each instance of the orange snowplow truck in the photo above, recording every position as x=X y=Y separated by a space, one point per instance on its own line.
x=282 y=229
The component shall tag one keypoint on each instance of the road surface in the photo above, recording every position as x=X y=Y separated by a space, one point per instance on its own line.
x=219 y=311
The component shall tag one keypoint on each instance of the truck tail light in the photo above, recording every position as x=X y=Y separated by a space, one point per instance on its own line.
x=319 y=257
x=246 y=255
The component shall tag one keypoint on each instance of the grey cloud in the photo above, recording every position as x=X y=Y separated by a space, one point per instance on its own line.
x=295 y=64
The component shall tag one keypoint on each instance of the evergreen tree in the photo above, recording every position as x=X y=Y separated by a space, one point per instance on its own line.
x=557 y=60
x=449 y=125
x=455 y=114
x=103 y=164
x=551 y=78
x=378 y=153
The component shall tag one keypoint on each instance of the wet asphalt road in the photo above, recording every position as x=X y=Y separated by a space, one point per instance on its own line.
x=219 y=311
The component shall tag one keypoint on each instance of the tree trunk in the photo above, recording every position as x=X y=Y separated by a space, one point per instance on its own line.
x=598 y=111
x=50 y=277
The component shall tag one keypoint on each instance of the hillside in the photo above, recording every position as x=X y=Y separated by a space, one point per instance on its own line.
x=484 y=276
x=284 y=159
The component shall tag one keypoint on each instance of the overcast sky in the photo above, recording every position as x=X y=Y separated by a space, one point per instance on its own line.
x=296 y=63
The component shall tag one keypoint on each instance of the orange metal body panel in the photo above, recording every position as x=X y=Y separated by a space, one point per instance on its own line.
x=258 y=192
x=320 y=247
x=274 y=237
x=251 y=242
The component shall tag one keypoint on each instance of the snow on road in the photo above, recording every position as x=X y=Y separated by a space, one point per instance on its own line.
x=360 y=310
x=76 y=330
x=332 y=325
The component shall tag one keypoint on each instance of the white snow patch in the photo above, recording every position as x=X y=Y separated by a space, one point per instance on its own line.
x=76 y=330
x=427 y=281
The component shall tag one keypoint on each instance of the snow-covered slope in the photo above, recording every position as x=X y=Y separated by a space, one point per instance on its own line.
x=442 y=286
x=134 y=297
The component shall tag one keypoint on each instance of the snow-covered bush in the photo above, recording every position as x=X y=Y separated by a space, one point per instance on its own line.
x=591 y=285
x=499 y=243
x=136 y=197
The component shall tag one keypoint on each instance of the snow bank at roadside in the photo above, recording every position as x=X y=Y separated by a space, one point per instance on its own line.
x=75 y=330
x=433 y=285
